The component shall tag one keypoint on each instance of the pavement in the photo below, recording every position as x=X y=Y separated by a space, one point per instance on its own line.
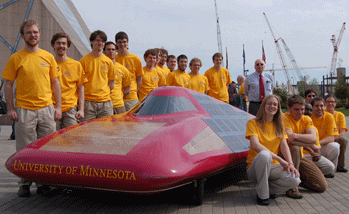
x=224 y=193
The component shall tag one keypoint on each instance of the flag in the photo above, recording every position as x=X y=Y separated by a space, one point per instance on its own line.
x=263 y=54
x=243 y=54
x=226 y=57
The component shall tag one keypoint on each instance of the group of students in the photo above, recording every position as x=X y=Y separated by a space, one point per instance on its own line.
x=301 y=147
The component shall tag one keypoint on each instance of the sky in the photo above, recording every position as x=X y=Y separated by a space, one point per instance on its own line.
x=190 y=28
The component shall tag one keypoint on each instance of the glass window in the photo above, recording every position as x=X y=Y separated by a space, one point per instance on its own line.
x=158 y=105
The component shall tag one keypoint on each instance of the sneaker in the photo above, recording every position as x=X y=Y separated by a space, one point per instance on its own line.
x=294 y=193
x=329 y=176
x=273 y=196
x=263 y=202
x=342 y=169
x=24 y=191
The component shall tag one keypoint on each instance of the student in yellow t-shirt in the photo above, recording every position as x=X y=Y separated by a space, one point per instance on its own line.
x=171 y=62
x=331 y=102
x=100 y=72
x=36 y=75
x=241 y=80
x=301 y=133
x=269 y=172
x=133 y=63
x=197 y=82
x=163 y=59
x=122 y=80
x=218 y=79
x=72 y=82
x=179 y=77
x=152 y=78
x=326 y=125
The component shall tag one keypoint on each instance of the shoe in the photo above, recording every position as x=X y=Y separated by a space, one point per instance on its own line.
x=273 y=196
x=24 y=191
x=329 y=176
x=43 y=190
x=263 y=202
x=294 y=193
x=342 y=169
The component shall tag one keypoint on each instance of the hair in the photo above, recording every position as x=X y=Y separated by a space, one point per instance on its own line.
x=329 y=96
x=308 y=92
x=233 y=82
x=277 y=119
x=28 y=23
x=195 y=60
x=170 y=57
x=217 y=55
x=240 y=76
x=110 y=43
x=58 y=36
x=295 y=99
x=149 y=52
x=121 y=35
x=164 y=51
x=317 y=99
x=182 y=56
x=98 y=33
x=158 y=50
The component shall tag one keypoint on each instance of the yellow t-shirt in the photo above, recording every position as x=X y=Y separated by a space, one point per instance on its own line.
x=162 y=71
x=73 y=75
x=33 y=72
x=134 y=64
x=166 y=70
x=326 y=125
x=339 y=117
x=198 y=83
x=298 y=127
x=267 y=139
x=218 y=81
x=150 y=80
x=241 y=90
x=178 y=78
x=99 y=71
x=122 y=80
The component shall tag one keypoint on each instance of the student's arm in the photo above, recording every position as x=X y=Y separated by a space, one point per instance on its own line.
x=327 y=140
x=58 y=98
x=126 y=91
x=285 y=151
x=341 y=133
x=139 y=82
x=306 y=139
x=111 y=84
x=8 y=87
x=81 y=95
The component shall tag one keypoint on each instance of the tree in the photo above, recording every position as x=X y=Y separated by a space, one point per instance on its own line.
x=281 y=91
x=342 y=89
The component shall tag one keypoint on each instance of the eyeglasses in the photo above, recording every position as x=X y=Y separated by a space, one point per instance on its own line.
x=331 y=102
x=311 y=95
x=259 y=64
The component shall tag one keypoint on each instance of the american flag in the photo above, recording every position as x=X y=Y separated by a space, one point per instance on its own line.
x=263 y=54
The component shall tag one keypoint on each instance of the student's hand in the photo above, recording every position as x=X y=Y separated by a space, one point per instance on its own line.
x=12 y=114
x=79 y=115
x=58 y=113
x=293 y=170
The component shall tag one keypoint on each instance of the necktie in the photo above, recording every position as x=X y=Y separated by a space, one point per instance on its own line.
x=261 y=88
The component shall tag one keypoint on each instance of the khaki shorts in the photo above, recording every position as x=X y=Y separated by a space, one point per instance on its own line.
x=95 y=110
x=33 y=125
x=68 y=119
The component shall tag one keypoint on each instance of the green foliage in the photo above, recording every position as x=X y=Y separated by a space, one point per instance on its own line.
x=342 y=89
x=281 y=91
x=307 y=83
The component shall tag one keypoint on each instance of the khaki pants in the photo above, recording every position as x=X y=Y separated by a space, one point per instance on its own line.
x=324 y=164
x=269 y=178
x=95 y=110
x=331 y=152
x=130 y=104
x=119 y=110
x=33 y=125
x=342 y=148
x=68 y=119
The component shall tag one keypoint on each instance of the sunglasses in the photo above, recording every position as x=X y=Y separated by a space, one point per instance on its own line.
x=259 y=64
x=311 y=95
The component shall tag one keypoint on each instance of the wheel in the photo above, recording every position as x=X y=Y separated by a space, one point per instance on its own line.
x=198 y=196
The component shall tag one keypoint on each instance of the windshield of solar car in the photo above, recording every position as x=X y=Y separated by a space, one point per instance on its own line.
x=157 y=105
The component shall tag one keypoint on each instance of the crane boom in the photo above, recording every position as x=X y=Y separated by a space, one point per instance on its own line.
x=335 y=47
x=282 y=58
x=292 y=60
x=219 y=39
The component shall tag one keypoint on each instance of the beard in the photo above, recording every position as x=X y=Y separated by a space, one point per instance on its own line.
x=30 y=44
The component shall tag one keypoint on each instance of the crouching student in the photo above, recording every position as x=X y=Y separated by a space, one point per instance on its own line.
x=269 y=172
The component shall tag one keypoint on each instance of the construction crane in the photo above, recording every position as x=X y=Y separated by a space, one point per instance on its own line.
x=335 y=51
x=219 y=39
x=292 y=60
x=282 y=58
